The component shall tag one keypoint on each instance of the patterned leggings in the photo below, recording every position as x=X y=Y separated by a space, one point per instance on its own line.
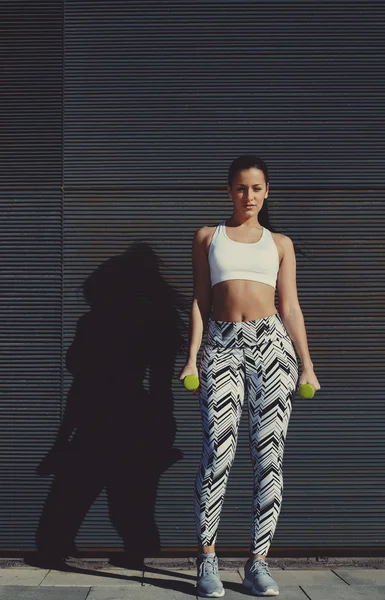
x=255 y=358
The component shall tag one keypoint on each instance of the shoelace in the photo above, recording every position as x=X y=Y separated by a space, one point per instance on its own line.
x=207 y=566
x=261 y=566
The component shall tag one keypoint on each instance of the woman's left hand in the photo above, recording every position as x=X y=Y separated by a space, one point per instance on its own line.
x=308 y=376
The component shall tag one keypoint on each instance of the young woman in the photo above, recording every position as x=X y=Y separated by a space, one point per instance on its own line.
x=249 y=353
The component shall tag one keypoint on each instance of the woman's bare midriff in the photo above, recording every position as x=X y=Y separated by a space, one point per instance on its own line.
x=242 y=300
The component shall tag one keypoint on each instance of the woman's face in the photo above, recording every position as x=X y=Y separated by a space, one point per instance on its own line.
x=248 y=191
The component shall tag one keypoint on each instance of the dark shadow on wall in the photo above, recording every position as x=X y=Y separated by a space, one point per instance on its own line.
x=116 y=433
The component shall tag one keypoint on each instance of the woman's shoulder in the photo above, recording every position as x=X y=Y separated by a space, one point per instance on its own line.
x=204 y=235
x=280 y=237
x=283 y=243
x=206 y=231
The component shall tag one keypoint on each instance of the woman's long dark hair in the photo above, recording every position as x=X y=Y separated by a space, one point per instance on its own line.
x=248 y=161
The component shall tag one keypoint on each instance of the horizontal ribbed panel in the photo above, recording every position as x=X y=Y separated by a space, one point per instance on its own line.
x=165 y=94
x=31 y=50
x=31 y=55
x=30 y=355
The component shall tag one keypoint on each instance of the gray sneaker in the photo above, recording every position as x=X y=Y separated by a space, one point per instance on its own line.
x=208 y=584
x=259 y=579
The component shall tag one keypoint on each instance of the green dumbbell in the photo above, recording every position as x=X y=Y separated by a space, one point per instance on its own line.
x=306 y=390
x=191 y=383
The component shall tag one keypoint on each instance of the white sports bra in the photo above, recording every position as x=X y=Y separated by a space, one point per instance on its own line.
x=228 y=259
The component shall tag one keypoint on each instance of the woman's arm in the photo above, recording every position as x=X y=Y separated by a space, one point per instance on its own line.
x=201 y=303
x=295 y=325
x=291 y=312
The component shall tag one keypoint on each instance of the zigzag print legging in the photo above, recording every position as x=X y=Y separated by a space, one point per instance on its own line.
x=255 y=359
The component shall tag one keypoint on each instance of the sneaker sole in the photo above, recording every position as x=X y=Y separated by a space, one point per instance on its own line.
x=213 y=595
x=249 y=585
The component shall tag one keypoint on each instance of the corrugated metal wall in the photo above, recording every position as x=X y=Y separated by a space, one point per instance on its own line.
x=31 y=55
x=158 y=99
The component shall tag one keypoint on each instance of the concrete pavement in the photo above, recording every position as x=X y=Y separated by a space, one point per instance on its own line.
x=103 y=582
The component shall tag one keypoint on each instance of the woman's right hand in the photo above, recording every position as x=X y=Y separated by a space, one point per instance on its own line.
x=190 y=368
